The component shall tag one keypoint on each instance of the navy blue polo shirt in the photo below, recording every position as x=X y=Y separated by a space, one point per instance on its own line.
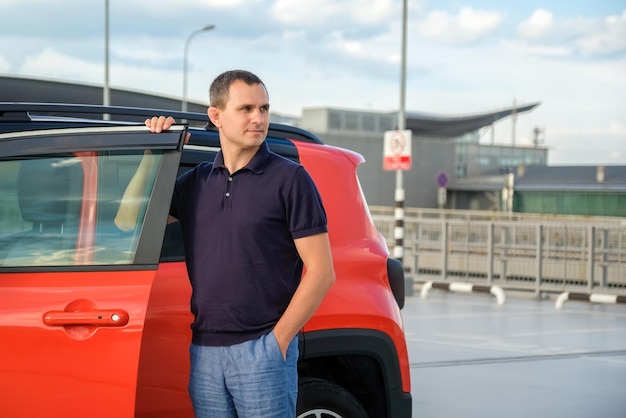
x=238 y=231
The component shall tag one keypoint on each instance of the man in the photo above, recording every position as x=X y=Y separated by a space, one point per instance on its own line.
x=251 y=221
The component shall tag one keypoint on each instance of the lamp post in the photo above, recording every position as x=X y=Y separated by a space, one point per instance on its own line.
x=106 y=98
x=194 y=33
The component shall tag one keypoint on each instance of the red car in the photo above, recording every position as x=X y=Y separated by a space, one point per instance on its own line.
x=95 y=321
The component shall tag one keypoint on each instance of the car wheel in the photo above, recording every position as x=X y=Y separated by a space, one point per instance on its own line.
x=319 y=398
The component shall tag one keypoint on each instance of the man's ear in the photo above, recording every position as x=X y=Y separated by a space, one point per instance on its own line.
x=214 y=116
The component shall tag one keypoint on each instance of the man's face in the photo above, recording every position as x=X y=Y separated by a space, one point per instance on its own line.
x=245 y=119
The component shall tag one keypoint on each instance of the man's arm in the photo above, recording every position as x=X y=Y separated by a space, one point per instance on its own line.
x=319 y=276
x=128 y=211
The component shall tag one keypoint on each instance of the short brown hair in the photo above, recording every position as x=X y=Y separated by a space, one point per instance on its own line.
x=218 y=92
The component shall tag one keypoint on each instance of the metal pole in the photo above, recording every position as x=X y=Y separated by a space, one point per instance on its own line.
x=514 y=121
x=106 y=101
x=398 y=251
x=186 y=52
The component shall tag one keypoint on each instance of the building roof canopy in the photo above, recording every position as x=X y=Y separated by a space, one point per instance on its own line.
x=454 y=126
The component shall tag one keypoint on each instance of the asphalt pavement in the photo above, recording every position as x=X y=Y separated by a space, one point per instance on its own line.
x=471 y=357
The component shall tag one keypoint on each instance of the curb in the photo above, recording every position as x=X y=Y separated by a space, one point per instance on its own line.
x=463 y=287
x=588 y=297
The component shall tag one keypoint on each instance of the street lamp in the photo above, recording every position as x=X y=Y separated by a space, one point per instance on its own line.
x=194 y=33
x=106 y=97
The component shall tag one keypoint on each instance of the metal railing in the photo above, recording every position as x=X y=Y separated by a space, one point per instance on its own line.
x=539 y=253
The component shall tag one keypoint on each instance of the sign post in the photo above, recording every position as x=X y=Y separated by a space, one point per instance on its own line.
x=398 y=232
x=442 y=183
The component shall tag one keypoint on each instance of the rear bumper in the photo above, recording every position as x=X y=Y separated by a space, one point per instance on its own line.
x=400 y=404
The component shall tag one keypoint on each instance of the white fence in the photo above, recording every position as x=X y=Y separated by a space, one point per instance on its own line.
x=513 y=251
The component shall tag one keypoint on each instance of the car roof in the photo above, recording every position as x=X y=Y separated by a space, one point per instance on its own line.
x=72 y=114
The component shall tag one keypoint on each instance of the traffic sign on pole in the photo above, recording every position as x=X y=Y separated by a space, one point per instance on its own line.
x=441 y=179
x=397 y=150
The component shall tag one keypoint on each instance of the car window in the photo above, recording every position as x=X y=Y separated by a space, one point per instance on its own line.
x=58 y=210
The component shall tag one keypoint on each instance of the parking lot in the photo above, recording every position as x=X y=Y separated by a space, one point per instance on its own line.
x=471 y=357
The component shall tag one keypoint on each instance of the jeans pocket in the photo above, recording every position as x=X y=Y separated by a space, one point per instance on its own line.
x=274 y=347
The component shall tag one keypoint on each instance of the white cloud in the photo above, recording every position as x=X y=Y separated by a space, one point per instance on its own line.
x=9 y=3
x=5 y=66
x=150 y=50
x=372 y=11
x=616 y=128
x=607 y=37
x=537 y=25
x=52 y=64
x=465 y=27
x=293 y=35
x=615 y=155
x=374 y=50
x=230 y=4
x=307 y=13
x=613 y=129
x=586 y=36
x=182 y=4
x=547 y=50
x=601 y=145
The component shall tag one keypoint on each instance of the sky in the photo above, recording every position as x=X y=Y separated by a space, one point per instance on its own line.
x=463 y=57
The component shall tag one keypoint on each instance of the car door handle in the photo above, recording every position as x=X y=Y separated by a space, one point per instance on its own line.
x=102 y=318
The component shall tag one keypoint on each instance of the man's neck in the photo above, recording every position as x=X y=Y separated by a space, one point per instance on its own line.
x=235 y=158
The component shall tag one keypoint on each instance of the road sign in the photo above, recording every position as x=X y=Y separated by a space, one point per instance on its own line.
x=441 y=179
x=397 y=150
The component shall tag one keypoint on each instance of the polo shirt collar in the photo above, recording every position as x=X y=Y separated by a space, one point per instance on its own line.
x=256 y=164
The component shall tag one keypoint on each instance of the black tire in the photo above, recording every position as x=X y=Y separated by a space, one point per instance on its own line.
x=319 y=398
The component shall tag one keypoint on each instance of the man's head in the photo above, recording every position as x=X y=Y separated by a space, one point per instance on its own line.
x=239 y=110
x=220 y=88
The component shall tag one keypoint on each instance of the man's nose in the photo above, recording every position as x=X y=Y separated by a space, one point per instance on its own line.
x=257 y=116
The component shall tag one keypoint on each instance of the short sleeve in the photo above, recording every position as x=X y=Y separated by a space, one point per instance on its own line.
x=305 y=208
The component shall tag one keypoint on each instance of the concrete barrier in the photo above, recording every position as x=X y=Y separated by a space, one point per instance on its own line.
x=463 y=287
x=588 y=297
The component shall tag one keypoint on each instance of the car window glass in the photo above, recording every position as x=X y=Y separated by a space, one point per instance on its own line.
x=59 y=210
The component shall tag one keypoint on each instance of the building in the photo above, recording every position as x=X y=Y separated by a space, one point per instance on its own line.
x=445 y=147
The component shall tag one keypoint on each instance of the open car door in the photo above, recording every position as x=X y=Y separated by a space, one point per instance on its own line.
x=74 y=287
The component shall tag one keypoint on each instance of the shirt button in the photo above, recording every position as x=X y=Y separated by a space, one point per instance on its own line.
x=230 y=179
x=227 y=194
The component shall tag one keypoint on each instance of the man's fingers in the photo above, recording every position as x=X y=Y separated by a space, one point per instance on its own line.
x=148 y=122
x=159 y=123
x=169 y=121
